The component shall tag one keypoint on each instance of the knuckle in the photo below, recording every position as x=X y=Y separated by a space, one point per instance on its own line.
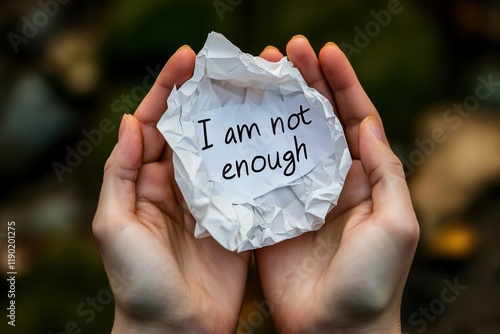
x=406 y=231
x=396 y=165
x=101 y=228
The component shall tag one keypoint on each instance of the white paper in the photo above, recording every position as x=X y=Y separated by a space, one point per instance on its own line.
x=204 y=125
x=249 y=150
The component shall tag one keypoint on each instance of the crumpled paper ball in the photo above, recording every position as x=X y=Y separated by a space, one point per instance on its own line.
x=259 y=156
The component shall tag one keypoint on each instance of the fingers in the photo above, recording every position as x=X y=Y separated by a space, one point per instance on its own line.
x=302 y=55
x=390 y=196
x=271 y=53
x=353 y=105
x=178 y=69
x=118 y=192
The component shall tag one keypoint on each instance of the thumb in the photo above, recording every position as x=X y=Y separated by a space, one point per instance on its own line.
x=391 y=200
x=118 y=192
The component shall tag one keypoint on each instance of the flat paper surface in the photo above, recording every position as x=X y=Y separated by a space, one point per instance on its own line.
x=248 y=150
x=233 y=88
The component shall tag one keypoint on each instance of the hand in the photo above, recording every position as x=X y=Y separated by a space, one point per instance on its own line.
x=348 y=277
x=173 y=281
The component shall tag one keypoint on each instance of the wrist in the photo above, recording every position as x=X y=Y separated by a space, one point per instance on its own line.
x=124 y=324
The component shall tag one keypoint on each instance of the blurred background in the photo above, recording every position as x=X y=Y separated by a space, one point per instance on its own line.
x=69 y=69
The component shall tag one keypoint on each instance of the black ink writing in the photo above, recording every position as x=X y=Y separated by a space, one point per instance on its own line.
x=293 y=121
x=205 y=134
x=259 y=163
x=240 y=130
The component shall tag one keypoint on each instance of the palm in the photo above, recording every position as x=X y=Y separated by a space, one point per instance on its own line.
x=181 y=273
x=314 y=273
x=145 y=231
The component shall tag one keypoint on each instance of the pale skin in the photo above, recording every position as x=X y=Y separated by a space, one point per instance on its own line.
x=348 y=277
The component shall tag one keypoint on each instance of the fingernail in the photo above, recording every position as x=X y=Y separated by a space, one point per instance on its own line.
x=123 y=125
x=376 y=128
x=184 y=46
x=270 y=47
x=299 y=36
x=331 y=44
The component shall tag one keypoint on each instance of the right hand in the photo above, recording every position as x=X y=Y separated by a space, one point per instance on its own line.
x=347 y=277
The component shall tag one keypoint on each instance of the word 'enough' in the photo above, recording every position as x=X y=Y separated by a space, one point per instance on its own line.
x=259 y=163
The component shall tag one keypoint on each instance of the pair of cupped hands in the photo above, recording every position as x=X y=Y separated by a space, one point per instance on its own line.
x=353 y=269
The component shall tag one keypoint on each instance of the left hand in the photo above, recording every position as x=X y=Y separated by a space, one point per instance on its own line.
x=347 y=277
